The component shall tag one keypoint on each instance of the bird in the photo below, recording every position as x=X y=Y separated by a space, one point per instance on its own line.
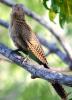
x=26 y=41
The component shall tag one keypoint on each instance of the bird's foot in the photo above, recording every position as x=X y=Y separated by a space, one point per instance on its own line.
x=26 y=58
x=19 y=55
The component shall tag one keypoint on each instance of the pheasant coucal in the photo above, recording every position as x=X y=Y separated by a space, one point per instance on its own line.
x=26 y=41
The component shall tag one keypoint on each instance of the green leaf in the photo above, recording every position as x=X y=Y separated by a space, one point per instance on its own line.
x=52 y=15
x=45 y=5
x=68 y=10
x=70 y=99
x=62 y=19
x=63 y=7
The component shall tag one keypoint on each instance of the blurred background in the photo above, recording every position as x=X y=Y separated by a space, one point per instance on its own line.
x=15 y=82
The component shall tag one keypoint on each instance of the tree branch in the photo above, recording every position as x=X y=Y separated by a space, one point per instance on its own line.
x=47 y=24
x=7 y=3
x=4 y=23
x=35 y=70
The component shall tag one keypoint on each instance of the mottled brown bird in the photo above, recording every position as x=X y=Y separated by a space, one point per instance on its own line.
x=26 y=41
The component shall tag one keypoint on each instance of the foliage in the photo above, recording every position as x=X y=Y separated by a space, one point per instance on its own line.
x=61 y=7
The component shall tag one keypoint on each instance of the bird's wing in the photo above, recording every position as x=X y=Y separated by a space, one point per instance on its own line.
x=35 y=47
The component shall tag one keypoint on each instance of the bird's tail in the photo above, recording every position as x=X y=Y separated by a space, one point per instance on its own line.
x=60 y=90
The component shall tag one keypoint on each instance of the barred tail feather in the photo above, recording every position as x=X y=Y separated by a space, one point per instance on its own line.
x=60 y=90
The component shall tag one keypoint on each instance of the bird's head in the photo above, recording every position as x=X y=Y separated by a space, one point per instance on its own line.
x=17 y=11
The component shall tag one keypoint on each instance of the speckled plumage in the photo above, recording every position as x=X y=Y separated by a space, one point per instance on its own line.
x=25 y=39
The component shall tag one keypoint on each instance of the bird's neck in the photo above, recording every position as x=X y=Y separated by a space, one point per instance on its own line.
x=20 y=21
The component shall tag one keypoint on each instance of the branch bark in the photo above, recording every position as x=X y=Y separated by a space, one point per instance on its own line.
x=35 y=69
